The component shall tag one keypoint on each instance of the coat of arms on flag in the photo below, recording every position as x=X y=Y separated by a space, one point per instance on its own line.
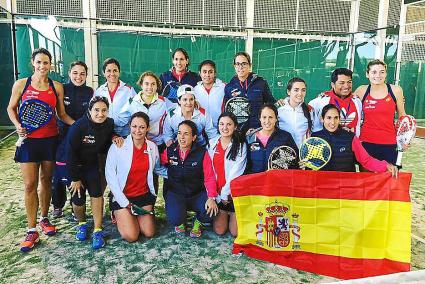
x=275 y=226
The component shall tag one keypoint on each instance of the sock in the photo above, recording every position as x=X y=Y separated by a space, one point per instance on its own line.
x=32 y=230
x=97 y=230
x=43 y=217
x=82 y=223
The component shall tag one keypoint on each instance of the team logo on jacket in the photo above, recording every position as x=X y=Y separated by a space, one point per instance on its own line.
x=275 y=226
x=255 y=146
x=89 y=139
x=342 y=149
x=173 y=161
x=66 y=101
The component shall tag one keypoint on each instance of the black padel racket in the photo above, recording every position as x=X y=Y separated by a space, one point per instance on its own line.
x=240 y=107
x=281 y=158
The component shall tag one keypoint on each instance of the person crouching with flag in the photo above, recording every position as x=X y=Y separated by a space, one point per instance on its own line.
x=346 y=147
x=191 y=181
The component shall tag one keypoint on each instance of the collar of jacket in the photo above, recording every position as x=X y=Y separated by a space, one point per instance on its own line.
x=217 y=83
x=288 y=106
x=178 y=112
x=105 y=85
x=139 y=99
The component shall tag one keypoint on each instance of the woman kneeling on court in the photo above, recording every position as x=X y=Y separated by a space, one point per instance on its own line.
x=228 y=153
x=191 y=181
x=129 y=173
x=346 y=147
x=264 y=140
x=88 y=138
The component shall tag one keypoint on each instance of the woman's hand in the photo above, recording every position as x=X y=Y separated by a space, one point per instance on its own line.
x=392 y=169
x=211 y=207
x=76 y=187
x=118 y=140
x=302 y=165
x=22 y=132
x=280 y=102
x=405 y=147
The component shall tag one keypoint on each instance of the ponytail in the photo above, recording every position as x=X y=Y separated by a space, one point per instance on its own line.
x=307 y=115
x=237 y=144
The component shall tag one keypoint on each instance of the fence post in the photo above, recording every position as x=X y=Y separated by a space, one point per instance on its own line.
x=90 y=42
x=401 y=32
x=249 y=43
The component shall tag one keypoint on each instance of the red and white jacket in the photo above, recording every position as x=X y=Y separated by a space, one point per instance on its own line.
x=232 y=169
x=157 y=112
x=348 y=115
x=200 y=117
x=118 y=164
x=121 y=97
x=211 y=101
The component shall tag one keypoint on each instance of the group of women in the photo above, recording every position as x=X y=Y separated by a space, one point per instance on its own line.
x=182 y=135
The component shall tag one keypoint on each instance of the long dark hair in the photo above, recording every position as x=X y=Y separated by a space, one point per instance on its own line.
x=304 y=106
x=237 y=140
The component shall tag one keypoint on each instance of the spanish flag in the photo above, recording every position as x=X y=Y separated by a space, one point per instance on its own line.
x=344 y=225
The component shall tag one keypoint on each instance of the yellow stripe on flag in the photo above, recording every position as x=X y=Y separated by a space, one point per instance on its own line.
x=338 y=227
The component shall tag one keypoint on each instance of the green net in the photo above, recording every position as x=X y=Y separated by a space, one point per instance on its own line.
x=138 y=53
x=280 y=60
x=6 y=65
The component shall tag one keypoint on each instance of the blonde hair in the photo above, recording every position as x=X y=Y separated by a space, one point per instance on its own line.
x=151 y=74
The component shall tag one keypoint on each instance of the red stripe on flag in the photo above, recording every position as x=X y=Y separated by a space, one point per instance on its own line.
x=321 y=184
x=334 y=266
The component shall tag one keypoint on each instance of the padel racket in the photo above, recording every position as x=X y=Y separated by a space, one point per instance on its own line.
x=33 y=115
x=240 y=107
x=406 y=130
x=170 y=91
x=281 y=158
x=315 y=152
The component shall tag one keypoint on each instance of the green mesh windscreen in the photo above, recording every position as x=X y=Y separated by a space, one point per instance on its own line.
x=6 y=66
x=280 y=60
x=275 y=60
x=138 y=53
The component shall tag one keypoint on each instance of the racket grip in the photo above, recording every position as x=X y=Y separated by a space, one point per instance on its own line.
x=399 y=156
x=19 y=142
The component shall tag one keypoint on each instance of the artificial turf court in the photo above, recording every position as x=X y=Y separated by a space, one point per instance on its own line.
x=163 y=259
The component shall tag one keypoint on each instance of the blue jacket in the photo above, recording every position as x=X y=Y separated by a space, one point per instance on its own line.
x=186 y=177
x=170 y=84
x=342 y=159
x=258 y=92
x=76 y=100
x=258 y=155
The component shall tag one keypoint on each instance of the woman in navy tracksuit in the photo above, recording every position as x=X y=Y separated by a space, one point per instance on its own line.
x=262 y=142
x=178 y=75
x=76 y=100
x=250 y=85
x=88 y=138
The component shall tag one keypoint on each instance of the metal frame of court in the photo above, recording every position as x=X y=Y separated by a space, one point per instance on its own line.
x=245 y=23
